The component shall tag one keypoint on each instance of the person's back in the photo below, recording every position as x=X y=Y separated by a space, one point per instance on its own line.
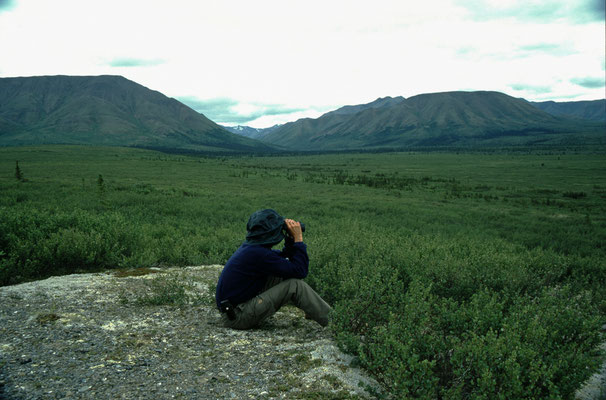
x=256 y=281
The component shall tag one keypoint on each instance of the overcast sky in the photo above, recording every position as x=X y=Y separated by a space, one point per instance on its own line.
x=264 y=62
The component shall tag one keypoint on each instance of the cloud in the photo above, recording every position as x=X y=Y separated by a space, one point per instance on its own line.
x=536 y=89
x=549 y=48
x=216 y=109
x=589 y=82
x=506 y=53
x=7 y=5
x=229 y=111
x=595 y=9
x=465 y=50
x=134 y=62
x=536 y=11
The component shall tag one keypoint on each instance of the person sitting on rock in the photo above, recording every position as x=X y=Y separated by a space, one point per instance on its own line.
x=256 y=281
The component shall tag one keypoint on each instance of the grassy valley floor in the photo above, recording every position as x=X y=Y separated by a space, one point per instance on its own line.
x=466 y=275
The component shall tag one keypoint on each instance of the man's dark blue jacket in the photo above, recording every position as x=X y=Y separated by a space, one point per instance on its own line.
x=247 y=270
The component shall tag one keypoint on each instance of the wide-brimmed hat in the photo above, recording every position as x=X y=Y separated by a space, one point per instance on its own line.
x=265 y=227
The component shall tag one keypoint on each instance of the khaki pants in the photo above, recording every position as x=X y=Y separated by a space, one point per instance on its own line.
x=278 y=292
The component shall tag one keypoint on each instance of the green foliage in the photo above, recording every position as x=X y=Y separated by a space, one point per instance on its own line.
x=452 y=275
x=164 y=291
x=18 y=173
x=100 y=184
x=483 y=348
x=39 y=244
x=574 y=195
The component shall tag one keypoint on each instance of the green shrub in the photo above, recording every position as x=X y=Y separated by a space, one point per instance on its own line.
x=162 y=291
x=490 y=346
x=39 y=244
x=574 y=195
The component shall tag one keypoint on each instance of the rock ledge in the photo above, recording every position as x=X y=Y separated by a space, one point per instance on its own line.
x=121 y=335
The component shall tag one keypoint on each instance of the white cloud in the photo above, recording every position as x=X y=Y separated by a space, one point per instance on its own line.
x=309 y=55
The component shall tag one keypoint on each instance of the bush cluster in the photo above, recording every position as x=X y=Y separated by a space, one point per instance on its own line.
x=450 y=318
x=38 y=243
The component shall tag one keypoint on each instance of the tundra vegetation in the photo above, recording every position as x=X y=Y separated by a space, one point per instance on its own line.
x=472 y=275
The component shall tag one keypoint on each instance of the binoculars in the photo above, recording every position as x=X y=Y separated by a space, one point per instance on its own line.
x=302 y=227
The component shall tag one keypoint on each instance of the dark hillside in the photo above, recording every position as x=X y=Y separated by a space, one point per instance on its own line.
x=593 y=110
x=104 y=110
x=436 y=119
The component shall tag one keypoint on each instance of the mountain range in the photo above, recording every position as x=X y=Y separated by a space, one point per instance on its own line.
x=112 y=110
x=478 y=118
x=593 y=110
x=106 y=110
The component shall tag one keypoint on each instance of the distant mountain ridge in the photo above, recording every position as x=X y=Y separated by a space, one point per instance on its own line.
x=105 y=110
x=593 y=110
x=112 y=110
x=378 y=103
x=434 y=119
x=250 y=132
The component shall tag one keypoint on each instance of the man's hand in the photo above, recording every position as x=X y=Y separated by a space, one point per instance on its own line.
x=294 y=229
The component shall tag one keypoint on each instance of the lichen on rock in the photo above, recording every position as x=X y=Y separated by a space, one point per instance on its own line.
x=157 y=334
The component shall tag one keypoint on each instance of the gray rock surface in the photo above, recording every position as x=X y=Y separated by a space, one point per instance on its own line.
x=595 y=387
x=120 y=335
